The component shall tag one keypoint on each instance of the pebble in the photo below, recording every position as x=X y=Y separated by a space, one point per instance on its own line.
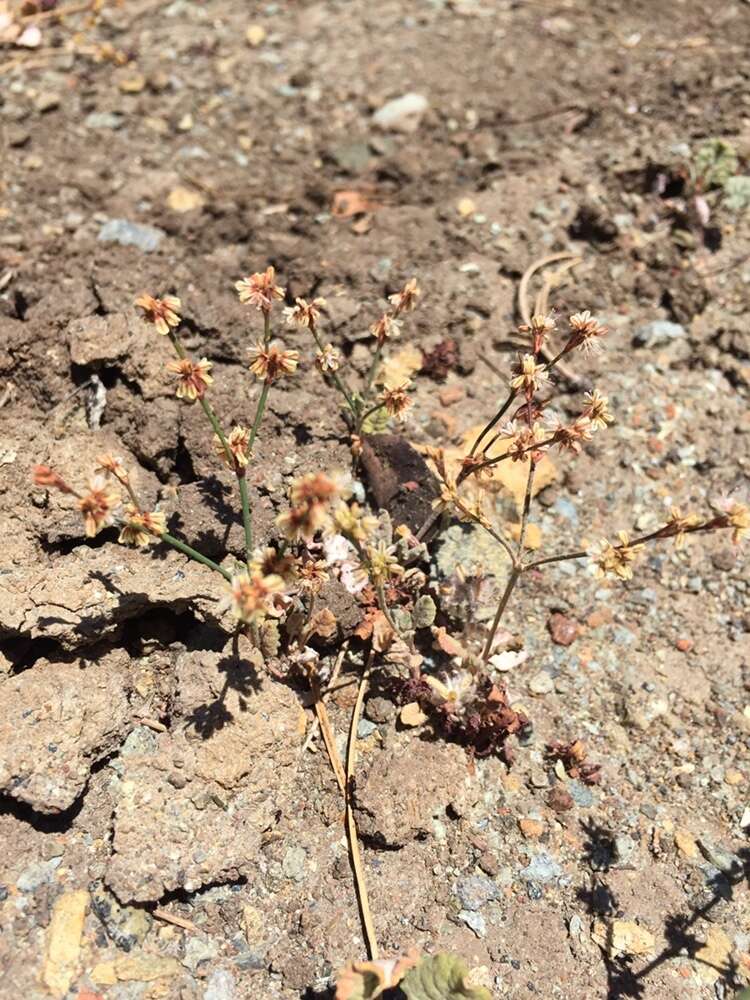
x=474 y=921
x=104 y=120
x=64 y=941
x=542 y=868
x=365 y=728
x=37 y=874
x=127 y=234
x=725 y=861
x=581 y=794
x=47 y=102
x=197 y=950
x=220 y=986
x=541 y=683
x=402 y=114
x=126 y=926
x=255 y=35
x=475 y=891
x=563 y=630
x=293 y=864
x=532 y=829
x=659 y=332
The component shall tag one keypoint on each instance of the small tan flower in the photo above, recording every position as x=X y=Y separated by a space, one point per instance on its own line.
x=260 y=289
x=328 y=360
x=352 y=521
x=386 y=328
x=406 y=300
x=569 y=436
x=164 y=313
x=596 y=410
x=678 y=525
x=523 y=444
x=192 y=377
x=250 y=596
x=98 y=505
x=113 y=467
x=237 y=439
x=272 y=362
x=382 y=564
x=396 y=400
x=736 y=515
x=528 y=375
x=141 y=526
x=539 y=327
x=270 y=562
x=312 y=575
x=304 y=313
x=616 y=560
x=586 y=332
x=318 y=487
x=300 y=524
x=44 y=476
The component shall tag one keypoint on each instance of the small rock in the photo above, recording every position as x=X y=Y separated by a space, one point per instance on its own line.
x=532 y=829
x=541 y=683
x=402 y=114
x=734 y=777
x=562 y=629
x=365 y=728
x=197 y=950
x=713 y=958
x=104 y=120
x=220 y=986
x=451 y=394
x=658 y=333
x=412 y=715
x=351 y=156
x=465 y=207
x=64 y=941
x=136 y=969
x=133 y=84
x=542 y=868
x=581 y=794
x=255 y=35
x=182 y=199
x=380 y=709
x=559 y=799
x=725 y=861
x=684 y=645
x=474 y=921
x=127 y=234
x=623 y=937
x=475 y=891
x=37 y=874
x=47 y=102
x=686 y=844
x=16 y=136
x=293 y=864
x=126 y=926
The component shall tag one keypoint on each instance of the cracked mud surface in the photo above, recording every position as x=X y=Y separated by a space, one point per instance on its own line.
x=144 y=764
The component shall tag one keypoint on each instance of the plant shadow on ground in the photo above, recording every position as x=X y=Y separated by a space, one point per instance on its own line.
x=624 y=981
x=241 y=676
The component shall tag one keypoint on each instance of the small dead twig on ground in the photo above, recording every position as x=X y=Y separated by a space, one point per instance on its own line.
x=319 y=703
x=172 y=918
x=351 y=826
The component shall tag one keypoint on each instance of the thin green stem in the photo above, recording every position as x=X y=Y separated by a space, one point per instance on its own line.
x=368 y=413
x=213 y=420
x=509 y=587
x=526 y=508
x=246 y=516
x=259 y=414
x=334 y=376
x=266 y=327
x=498 y=416
x=192 y=553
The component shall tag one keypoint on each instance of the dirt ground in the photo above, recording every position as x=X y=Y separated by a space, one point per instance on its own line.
x=144 y=769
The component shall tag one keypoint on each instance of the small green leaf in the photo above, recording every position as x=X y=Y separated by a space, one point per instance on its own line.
x=442 y=977
x=737 y=194
x=376 y=423
x=424 y=612
x=715 y=162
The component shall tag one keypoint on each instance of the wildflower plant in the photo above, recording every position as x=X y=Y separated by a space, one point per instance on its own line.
x=325 y=530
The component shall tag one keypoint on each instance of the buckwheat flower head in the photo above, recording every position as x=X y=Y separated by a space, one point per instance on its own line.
x=271 y=562
x=596 y=410
x=736 y=515
x=328 y=360
x=98 y=505
x=140 y=527
x=679 y=524
x=44 y=476
x=192 y=377
x=304 y=313
x=528 y=375
x=569 y=436
x=352 y=522
x=237 y=439
x=164 y=313
x=111 y=466
x=524 y=444
x=250 y=595
x=539 y=327
x=272 y=362
x=406 y=300
x=260 y=289
x=454 y=691
x=586 y=332
x=616 y=560
x=312 y=575
x=300 y=524
x=382 y=564
x=386 y=328
x=320 y=487
x=396 y=400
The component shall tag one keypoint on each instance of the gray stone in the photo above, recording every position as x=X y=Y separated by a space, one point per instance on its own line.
x=581 y=794
x=541 y=683
x=365 y=729
x=475 y=891
x=402 y=114
x=220 y=986
x=104 y=120
x=542 y=868
x=293 y=864
x=131 y=234
x=126 y=926
x=659 y=332
x=725 y=861
x=197 y=950
x=352 y=156
x=37 y=874
x=474 y=921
